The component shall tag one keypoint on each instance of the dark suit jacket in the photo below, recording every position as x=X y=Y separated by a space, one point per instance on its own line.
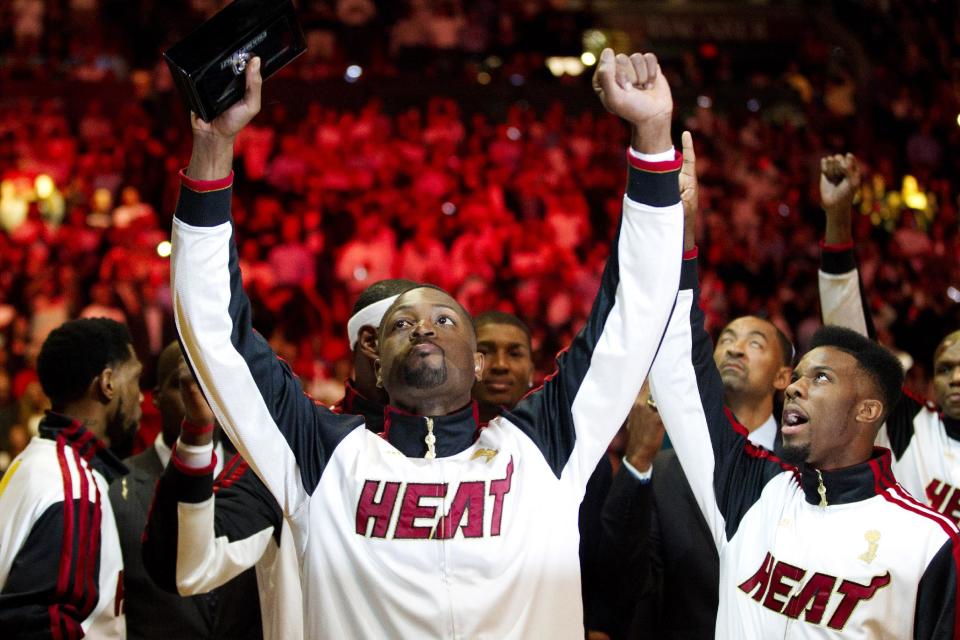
x=673 y=571
x=233 y=611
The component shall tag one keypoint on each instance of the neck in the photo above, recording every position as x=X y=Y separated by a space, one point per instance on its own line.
x=431 y=405
x=90 y=413
x=751 y=412
x=488 y=411
x=365 y=380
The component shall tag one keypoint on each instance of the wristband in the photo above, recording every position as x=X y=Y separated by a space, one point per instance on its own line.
x=195 y=430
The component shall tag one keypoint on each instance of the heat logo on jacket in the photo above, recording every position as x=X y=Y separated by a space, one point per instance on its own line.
x=944 y=498
x=775 y=580
x=466 y=511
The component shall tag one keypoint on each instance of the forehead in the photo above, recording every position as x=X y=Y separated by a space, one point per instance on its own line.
x=750 y=324
x=839 y=361
x=424 y=298
x=949 y=349
x=501 y=333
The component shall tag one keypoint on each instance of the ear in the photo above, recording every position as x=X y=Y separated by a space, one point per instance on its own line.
x=367 y=341
x=106 y=386
x=378 y=371
x=869 y=411
x=477 y=365
x=154 y=396
x=782 y=378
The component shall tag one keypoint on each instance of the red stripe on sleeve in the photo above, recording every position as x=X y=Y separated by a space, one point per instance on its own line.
x=83 y=558
x=837 y=247
x=66 y=548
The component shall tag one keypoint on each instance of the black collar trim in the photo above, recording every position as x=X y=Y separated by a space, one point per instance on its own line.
x=850 y=484
x=88 y=446
x=355 y=403
x=454 y=432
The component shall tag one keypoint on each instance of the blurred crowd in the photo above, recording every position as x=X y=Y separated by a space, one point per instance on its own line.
x=511 y=213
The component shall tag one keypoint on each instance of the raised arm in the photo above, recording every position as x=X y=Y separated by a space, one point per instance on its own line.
x=195 y=542
x=284 y=437
x=842 y=299
x=576 y=413
x=725 y=471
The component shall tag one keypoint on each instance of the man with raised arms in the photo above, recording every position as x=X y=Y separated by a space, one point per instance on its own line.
x=436 y=527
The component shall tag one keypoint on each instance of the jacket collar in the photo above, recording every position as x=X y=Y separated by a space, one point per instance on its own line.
x=850 y=484
x=454 y=432
x=355 y=403
x=80 y=439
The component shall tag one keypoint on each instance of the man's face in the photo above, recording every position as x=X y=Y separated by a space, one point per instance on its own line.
x=168 y=400
x=946 y=376
x=507 y=365
x=427 y=349
x=126 y=412
x=820 y=412
x=749 y=358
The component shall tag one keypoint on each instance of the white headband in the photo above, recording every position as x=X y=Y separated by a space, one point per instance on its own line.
x=370 y=315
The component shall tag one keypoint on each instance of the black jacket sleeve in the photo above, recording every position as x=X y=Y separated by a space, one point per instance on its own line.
x=936 y=613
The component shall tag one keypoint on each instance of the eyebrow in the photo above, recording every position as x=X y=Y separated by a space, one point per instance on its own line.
x=407 y=307
x=493 y=343
x=754 y=332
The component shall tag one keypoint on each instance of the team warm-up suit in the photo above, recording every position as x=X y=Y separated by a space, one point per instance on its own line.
x=925 y=443
x=153 y=614
x=872 y=563
x=480 y=542
x=203 y=534
x=61 y=572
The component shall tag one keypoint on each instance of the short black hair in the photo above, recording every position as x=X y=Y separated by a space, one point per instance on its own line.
x=76 y=352
x=878 y=362
x=502 y=317
x=380 y=290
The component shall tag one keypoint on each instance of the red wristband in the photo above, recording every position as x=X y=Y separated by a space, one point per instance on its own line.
x=837 y=247
x=203 y=186
x=692 y=253
x=195 y=430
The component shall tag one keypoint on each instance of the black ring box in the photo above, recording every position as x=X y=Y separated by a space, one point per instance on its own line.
x=208 y=64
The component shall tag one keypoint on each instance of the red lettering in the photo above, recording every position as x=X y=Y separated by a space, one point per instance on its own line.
x=818 y=590
x=498 y=489
x=778 y=587
x=853 y=594
x=937 y=494
x=760 y=579
x=411 y=509
x=469 y=499
x=952 y=507
x=379 y=511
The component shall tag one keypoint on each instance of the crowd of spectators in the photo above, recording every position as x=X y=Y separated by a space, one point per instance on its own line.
x=513 y=212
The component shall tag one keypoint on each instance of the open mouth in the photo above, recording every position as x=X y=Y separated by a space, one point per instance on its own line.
x=793 y=420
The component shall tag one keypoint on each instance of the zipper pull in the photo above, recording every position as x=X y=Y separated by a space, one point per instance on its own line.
x=821 y=489
x=431 y=441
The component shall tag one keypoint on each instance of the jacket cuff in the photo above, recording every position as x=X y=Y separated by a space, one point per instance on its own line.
x=204 y=203
x=688 y=274
x=655 y=184
x=837 y=258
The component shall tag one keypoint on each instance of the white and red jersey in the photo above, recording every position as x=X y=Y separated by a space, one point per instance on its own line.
x=481 y=542
x=61 y=568
x=804 y=553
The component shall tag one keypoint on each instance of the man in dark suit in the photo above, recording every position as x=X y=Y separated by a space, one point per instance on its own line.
x=233 y=611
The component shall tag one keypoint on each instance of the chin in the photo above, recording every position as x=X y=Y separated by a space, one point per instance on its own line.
x=794 y=454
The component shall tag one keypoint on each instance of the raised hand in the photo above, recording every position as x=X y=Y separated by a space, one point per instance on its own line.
x=689 y=192
x=229 y=123
x=839 y=185
x=197 y=412
x=644 y=431
x=634 y=88
x=212 y=156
